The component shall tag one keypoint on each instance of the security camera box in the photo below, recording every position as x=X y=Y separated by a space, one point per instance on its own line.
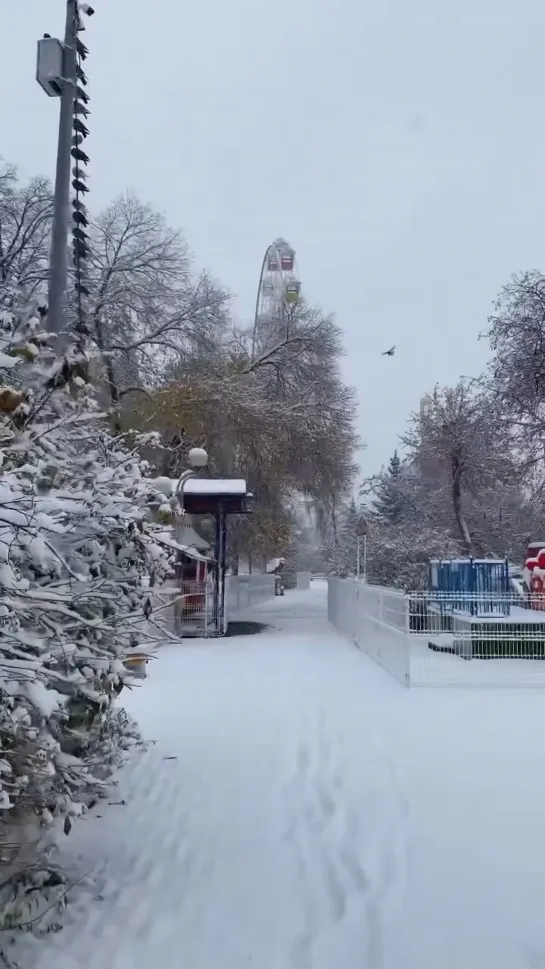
x=49 y=67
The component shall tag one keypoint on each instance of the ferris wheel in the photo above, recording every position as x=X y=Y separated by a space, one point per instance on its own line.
x=278 y=291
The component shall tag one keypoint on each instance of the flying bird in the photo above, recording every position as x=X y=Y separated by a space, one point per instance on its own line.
x=389 y=353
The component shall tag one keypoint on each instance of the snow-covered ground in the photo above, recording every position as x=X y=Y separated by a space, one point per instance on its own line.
x=301 y=810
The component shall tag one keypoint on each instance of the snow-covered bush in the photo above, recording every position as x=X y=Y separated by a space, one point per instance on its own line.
x=77 y=558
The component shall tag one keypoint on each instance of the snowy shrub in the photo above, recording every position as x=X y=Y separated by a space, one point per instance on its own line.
x=77 y=558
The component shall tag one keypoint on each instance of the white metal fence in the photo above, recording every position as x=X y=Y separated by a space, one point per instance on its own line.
x=376 y=622
x=194 y=608
x=432 y=639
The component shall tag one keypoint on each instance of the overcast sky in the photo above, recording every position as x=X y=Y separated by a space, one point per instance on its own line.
x=398 y=146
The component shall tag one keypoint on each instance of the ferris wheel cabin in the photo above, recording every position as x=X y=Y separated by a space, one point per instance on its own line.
x=291 y=291
x=287 y=261
x=281 y=257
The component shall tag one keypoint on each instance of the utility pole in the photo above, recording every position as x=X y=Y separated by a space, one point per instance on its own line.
x=58 y=266
x=57 y=74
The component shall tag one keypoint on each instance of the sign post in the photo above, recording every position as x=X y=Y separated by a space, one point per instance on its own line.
x=362 y=531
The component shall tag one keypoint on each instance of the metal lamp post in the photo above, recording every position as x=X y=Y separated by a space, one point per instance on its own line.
x=198 y=458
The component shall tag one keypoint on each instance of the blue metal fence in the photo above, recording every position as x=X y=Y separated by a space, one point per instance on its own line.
x=482 y=584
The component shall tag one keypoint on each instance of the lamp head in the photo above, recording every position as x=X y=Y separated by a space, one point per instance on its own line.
x=197 y=457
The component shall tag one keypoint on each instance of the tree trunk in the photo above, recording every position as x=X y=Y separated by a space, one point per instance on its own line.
x=112 y=384
x=334 y=521
x=457 y=504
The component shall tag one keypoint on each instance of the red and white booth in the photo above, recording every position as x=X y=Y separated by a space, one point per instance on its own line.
x=534 y=575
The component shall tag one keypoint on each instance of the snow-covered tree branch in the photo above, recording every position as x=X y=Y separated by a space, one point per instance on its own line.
x=77 y=558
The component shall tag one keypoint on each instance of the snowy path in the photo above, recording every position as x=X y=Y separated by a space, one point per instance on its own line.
x=301 y=810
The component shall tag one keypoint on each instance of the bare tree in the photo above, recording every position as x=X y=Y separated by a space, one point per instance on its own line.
x=146 y=307
x=297 y=376
x=472 y=477
x=460 y=449
x=516 y=375
x=275 y=410
x=283 y=417
x=25 y=224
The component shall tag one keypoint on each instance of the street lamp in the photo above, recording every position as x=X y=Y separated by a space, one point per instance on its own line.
x=197 y=458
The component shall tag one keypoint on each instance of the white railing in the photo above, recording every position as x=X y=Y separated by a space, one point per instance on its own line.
x=375 y=619
x=428 y=639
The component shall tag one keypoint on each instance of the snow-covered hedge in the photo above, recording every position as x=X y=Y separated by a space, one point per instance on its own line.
x=77 y=558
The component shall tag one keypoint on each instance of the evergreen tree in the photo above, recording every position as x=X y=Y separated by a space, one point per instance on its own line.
x=390 y=504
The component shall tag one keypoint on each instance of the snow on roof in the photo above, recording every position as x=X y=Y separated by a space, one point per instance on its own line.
x=215 y=486
x=165 y=539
